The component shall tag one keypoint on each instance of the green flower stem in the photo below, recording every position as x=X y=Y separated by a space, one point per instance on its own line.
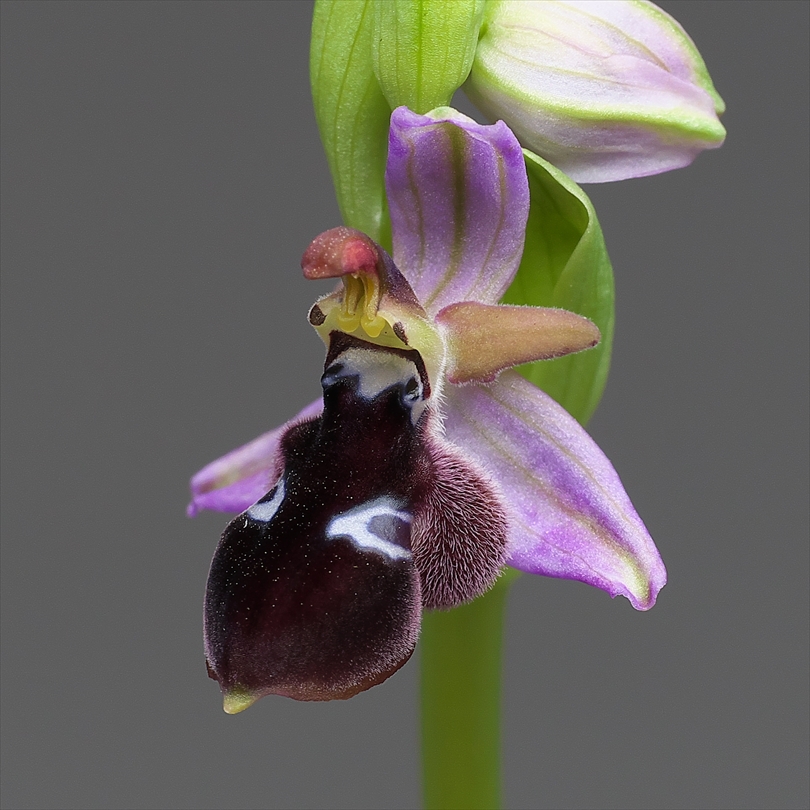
x=461 y=703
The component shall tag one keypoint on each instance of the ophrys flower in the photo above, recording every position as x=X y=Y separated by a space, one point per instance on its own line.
x=426 y=472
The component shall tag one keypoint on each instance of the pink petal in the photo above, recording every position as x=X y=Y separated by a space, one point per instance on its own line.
x=459 y=199
x=238 y=479
x=570 y=516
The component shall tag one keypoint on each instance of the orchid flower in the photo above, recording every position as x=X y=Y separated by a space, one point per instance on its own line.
x=604 y=90
x=428 y=465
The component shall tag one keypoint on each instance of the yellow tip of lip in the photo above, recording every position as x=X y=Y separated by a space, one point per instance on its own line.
x=237 y=701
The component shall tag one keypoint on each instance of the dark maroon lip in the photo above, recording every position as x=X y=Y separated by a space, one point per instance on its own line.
x=295 y=608
x=316 y=591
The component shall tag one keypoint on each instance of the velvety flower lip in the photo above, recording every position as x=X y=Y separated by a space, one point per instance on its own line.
x=603 y=90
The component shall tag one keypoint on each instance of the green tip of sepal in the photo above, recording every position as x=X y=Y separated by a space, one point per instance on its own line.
x=237 y=700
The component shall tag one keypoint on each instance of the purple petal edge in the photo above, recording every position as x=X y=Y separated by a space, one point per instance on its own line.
x=459 y=199
x=569 y=514
x=238 y=479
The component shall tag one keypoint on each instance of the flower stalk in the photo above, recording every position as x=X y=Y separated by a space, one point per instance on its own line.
x=461 y=669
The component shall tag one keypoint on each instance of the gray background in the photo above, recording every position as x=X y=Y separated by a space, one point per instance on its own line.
x=161 y=177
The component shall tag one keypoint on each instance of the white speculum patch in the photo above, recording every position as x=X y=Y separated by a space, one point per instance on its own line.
x=264 y=512
x=356 y=524
x=377 y=370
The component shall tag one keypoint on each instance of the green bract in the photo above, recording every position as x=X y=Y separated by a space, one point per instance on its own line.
x=351 y=111
x=423 y=50
x=565 y=264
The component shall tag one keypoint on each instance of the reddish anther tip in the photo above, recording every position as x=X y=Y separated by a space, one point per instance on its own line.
x=338 y=252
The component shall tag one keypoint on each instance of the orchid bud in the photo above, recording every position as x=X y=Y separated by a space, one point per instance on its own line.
x=603 y=90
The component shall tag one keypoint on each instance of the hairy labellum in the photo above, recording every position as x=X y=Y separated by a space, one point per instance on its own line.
x=316 y=591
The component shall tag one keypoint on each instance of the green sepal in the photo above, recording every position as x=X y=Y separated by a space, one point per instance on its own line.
x=565 y=264
x=423 y=49
x=351 y=112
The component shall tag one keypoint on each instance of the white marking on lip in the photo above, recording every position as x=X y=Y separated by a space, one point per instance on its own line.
x=378 y=370
x=264 y=512
x=355 y=523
